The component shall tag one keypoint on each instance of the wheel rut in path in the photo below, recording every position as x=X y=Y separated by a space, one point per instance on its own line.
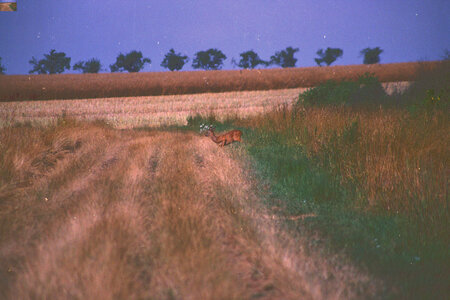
x=168 y=215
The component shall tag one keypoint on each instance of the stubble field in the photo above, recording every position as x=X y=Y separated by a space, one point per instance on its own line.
x=154 y=111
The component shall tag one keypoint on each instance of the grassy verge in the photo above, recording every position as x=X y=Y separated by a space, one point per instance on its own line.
x=375 y=177
x=393 y=246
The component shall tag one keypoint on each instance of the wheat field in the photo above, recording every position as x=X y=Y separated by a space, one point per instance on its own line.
x=154 y=111
x=106 y=85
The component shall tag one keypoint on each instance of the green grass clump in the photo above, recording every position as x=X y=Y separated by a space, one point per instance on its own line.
x=366 y=90
x=429 y=92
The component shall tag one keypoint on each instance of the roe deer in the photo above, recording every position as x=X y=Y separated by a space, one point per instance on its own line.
x=226 y=138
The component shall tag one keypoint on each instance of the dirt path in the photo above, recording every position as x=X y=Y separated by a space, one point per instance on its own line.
x=160 y=215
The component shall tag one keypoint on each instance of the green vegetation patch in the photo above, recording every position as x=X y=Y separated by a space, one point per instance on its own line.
x=385 y=243
x=366 y=90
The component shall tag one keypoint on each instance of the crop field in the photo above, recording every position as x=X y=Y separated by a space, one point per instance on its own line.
x=151 y=111
x=335 y=192
x=83 y=86
x=154 y=111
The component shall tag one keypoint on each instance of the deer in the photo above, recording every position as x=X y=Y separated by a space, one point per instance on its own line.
x=223 y=139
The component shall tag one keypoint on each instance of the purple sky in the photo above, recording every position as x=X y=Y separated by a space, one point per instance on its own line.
x=407 y=30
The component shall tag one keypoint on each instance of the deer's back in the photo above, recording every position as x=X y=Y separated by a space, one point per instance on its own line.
x=237 y=135
x=233 y=135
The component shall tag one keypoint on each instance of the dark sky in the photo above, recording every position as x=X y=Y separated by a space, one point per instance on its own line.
x=407 y=30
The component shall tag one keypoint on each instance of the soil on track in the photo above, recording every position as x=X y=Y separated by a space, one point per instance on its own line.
x=101 y=214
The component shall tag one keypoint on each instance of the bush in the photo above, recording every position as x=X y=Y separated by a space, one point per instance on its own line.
x=366 y=90
x=430 y=91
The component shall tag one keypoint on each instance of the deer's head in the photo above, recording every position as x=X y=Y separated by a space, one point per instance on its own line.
x=207 y=130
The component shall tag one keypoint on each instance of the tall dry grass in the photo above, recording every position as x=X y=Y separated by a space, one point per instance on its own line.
x=398 y=161
x=87 y=211
x=82 y=86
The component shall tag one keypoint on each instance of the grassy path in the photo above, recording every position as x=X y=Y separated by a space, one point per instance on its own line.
x=95 y=213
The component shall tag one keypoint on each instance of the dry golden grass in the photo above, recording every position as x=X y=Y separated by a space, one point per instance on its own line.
x=153 y=111
x=400 y=162
x=96 y=213
x=82 y=86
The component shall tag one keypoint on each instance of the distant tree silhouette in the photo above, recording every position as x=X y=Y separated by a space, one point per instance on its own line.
x=211 y=59
x=2 y=68
x=173 y=61
x=284 y=58
x=91 y=66
x=131 y=62
x=249 y=60
x=328 y=56
x=371 y=55
x=53 y=63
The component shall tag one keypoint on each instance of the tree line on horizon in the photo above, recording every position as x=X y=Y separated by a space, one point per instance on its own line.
x=211 y=59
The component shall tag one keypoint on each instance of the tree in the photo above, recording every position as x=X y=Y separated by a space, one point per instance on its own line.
x=2 y=68
x=173 y=61
x=91 y=66
x=284 y=58
x=132 y=62
x=249 y=60
x=328 y=56
x=371 y=55
x=211 y=59
x=53 y=63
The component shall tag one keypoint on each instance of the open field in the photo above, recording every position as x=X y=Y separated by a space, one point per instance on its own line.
x=82 y=86
x=154 y=111
x=91 y=212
